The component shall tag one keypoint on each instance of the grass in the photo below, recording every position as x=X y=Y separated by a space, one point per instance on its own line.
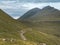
x=10 y=28
x=49 y=27
x=17 y=42
x=38 y=37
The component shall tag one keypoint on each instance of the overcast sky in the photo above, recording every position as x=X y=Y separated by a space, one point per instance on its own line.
x=19 y=7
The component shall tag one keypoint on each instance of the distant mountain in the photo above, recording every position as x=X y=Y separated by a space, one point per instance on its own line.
x=29 y=13
x=13 y=32
x=46 y=14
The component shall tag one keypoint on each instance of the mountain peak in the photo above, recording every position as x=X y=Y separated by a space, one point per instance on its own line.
x=30 y=13
x=36 y=8
x=48 y=7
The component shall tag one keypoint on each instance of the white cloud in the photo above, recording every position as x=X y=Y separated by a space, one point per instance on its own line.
x=10 y=5
x=18 y=5
x=7 y=2
x=13 y=5
x=16 y=17
x=33 y=5
x=41 y=5
x=55 y=5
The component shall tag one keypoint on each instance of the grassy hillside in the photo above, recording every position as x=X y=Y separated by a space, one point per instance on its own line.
x=47 y=20
x=41 y=37
x=49 y=27
x=8 y=26
x=10 y=33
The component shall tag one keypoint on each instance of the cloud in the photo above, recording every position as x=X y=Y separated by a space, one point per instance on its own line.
x=18 y=5
x=34 y=1
x=33 y=5
x=16 y=8
x=7 y=2
x=55 y=5
x=41 y=5
x=10 y=5
x=16 y=17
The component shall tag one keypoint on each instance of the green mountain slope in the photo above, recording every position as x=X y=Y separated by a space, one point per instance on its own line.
x=40 y=37
x=8 y=24
x=47 y=20
x=13 y=32
x=49 y=27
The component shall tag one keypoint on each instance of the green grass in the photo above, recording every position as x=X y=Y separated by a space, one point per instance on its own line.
x=40 y=37
x=17 y=42
x=10 y=28
x=49 y=27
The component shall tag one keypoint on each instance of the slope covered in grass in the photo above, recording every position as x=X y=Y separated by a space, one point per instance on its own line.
x=41 y=37
x=10 y=33
x=33 y=38
x=49 y=27
x=8 y=26
x=46 y=20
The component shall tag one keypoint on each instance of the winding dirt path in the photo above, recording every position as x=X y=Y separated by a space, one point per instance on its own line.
x=22 y=35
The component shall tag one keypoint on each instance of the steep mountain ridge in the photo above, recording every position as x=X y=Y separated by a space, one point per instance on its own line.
x=30 y=13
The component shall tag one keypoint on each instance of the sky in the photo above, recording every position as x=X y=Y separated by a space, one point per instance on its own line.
x=16 y=8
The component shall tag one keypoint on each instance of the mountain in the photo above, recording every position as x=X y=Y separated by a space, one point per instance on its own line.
x=29 y=13
x=13 y=32
x=47 y=20
x=46 y=14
